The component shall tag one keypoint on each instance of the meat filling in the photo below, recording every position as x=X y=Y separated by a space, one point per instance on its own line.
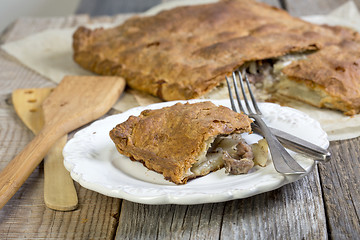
x=231 y=152
x=270 y=82
x=241 y=161
x=236 y=166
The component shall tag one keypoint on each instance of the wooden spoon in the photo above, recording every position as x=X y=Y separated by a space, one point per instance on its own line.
x=59 y=190
x=77 y=100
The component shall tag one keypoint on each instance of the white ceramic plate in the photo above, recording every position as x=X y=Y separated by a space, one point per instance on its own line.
x=93 y=161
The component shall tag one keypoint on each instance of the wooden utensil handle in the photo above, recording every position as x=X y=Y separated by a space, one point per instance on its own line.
x=20 y=168
x=59 y=190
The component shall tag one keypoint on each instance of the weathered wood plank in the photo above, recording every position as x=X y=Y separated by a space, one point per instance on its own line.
x=30 y=25
x=311 y=7
x=170 y=221
x=110 y=7
x=341 y=187
x=275 y=3
x=293 y=211
x=106 y=7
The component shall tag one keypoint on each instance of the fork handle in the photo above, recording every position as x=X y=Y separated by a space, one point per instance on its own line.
x=297 y=144
x=283 y=161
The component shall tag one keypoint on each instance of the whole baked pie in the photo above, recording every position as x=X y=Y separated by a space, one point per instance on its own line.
x=186 y=141
x=184 y=53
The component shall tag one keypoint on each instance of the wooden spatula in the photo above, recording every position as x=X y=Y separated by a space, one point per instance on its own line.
x=59 y=189
x=77 y=100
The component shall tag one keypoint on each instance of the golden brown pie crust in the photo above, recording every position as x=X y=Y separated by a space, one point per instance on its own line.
x=335 y=70
x=185 y=52
x=169 y=140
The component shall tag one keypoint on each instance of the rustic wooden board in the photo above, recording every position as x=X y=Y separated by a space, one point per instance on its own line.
x=110 y=7
x=323 y=204
x=294 y=211
x=100 y=7
x=313 y=7
x=340 y=180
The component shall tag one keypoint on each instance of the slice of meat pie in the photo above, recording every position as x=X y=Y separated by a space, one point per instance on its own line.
x=186 y=141
x=328 y=78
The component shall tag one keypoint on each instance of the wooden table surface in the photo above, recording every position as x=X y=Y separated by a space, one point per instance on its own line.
x=323 y=205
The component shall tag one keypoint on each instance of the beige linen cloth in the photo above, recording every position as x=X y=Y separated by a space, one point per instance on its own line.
x=49 y=53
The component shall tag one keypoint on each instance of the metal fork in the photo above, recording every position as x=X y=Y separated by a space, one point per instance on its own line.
x=283 y=161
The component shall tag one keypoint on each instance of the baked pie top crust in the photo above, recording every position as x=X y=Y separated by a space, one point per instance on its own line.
x=185 y=52
x=335 y=71
x=169 y=140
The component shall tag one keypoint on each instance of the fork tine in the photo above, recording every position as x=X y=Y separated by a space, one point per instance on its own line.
x=237 y=93
x=230 y=95
x=252 y=96
x=244 y=94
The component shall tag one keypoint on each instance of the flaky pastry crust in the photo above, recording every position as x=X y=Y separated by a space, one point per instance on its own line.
x=185 y=52
x=169 y=140
x=335 y=71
